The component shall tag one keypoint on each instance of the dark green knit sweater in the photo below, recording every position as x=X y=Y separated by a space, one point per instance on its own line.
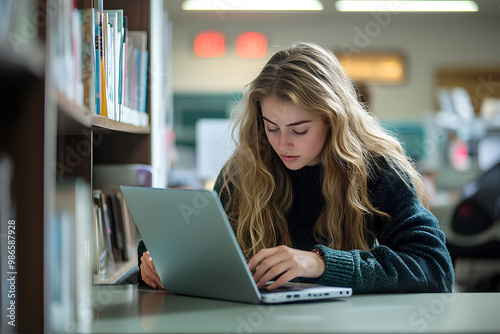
x=411 y=255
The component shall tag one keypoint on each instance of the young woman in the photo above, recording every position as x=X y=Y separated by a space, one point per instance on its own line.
x=317 y=191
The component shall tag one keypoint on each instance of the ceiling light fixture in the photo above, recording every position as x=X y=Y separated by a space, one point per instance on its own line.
x=406 y=6
x=253 y=5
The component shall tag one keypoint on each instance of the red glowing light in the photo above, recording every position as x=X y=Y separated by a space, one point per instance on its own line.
x=251 y=45
x=209 y=44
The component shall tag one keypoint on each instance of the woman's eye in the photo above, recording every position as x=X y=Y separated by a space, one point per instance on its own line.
x=300 y=133
x=272 y=130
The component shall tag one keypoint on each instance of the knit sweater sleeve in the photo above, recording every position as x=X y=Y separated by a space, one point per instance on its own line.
x=223 y=196
x=411 y=255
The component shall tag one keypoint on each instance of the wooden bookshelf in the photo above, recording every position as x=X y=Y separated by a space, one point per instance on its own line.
x=71 y=117
x=110 y=124
x=54 y=143
x=22 y=84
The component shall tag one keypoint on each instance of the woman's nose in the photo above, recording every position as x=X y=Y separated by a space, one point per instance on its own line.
x=285 y=142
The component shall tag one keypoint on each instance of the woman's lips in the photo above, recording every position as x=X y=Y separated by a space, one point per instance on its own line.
x=289 y=158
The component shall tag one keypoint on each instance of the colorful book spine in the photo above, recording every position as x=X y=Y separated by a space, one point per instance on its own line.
x=137 y=75
x=76 y=55
x=108 y=65
x=124 y=85
x=110 y=76
x=143 y=81
x=97 y=63
x=121 y=65
x=104 y=105
x=88 y=61
x=115 y=19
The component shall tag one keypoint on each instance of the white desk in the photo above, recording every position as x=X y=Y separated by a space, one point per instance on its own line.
x=133 y=309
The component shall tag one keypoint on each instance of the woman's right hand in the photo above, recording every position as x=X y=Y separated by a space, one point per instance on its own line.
x=148 y=272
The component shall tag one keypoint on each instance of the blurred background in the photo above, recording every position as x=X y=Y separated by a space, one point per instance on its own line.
x=432 y=78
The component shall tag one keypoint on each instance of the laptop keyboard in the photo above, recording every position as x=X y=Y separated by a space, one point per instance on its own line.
x=285 y=288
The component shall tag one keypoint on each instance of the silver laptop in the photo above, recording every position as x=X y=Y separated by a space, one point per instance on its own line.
x=196 y=253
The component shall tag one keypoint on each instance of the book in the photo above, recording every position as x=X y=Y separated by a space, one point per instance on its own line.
x=76 y=55
x=110 y=223
x=100 y=250
x=143 y=81
x=68 y=259
x=125 y=59
x=132 y=235
x=68 y=74
x=107 y=38
x=101 y=24
x=66 y=45
x=58 y=259
x=138 y=70
x=97 y=62
x=88 y=59
x=123 y=66
x=109 y=32
x=119 y=226
x=103 y=235
x=115 y=21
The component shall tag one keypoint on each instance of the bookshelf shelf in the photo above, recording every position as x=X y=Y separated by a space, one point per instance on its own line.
x=71 y=115
x=54 y=143
x=110 y=124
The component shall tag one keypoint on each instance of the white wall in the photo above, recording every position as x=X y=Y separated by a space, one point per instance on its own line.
x=427 y=41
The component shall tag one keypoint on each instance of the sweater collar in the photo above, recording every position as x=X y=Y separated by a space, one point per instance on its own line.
x=307 y=173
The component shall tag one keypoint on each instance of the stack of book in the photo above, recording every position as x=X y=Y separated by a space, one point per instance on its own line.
x=115 y=235
x=106 y=63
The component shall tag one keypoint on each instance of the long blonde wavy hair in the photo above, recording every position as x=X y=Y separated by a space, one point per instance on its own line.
x=255 y=181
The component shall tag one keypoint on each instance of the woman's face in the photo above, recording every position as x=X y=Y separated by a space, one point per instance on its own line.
x=296 y=135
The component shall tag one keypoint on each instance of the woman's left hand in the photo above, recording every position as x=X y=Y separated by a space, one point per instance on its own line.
x=287 y=262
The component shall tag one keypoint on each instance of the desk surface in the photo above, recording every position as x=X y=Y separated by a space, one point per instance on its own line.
x=133 y=309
